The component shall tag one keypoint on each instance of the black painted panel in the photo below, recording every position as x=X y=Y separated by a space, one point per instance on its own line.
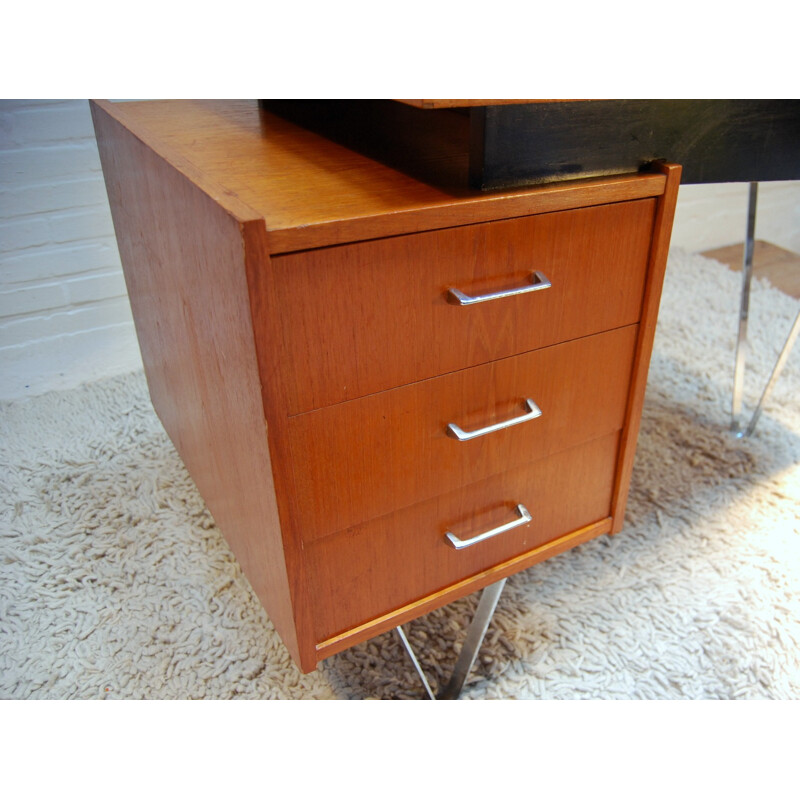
x=715 y=141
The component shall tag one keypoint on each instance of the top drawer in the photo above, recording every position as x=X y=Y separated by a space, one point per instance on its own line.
x=370 y=316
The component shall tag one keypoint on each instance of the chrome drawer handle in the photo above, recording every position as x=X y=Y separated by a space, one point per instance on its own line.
x=538 y=282
x=460 y=544
x=463 y=436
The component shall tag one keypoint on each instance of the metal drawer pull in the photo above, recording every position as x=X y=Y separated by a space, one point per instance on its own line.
x=463 y=436
x=459 y=544
x=538 y=282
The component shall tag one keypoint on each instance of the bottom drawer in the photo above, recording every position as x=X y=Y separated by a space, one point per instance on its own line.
x=371 y=569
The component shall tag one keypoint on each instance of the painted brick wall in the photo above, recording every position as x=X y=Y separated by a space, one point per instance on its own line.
x=715 y=215
x=64 y=312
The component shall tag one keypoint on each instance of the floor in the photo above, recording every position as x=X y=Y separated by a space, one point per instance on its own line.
x=781 y=267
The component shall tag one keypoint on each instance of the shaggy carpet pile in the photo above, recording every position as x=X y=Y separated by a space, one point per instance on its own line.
x=116 y=583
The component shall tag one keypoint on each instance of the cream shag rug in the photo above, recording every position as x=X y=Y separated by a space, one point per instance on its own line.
x=116 y=583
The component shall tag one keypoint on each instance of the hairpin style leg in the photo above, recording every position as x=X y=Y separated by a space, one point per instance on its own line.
x=776 y=371
x=741 y=344
x=744 y=311
x=469 y=651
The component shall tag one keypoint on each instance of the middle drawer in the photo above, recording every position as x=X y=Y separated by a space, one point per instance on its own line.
x=359 y=460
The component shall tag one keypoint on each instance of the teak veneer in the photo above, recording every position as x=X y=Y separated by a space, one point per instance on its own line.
x=306 y=355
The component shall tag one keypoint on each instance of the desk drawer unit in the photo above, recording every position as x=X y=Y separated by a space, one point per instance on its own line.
x=389 y=395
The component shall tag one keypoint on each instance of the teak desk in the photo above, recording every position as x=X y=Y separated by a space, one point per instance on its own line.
x=365 y=372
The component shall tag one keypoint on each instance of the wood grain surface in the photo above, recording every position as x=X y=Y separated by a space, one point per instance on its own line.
x=362 y=459
x=474 y=583
x=313 y=192
x=308 y=390
x=659 y=251
x=371 y=569
x=183 y=260
x=368 y=317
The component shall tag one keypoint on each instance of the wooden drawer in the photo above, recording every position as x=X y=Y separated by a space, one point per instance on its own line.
x=375 y=568
x=364 y=458
x=366 y=317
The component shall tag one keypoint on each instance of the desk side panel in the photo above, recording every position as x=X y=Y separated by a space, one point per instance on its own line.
x=659 y=251
x=183 y=256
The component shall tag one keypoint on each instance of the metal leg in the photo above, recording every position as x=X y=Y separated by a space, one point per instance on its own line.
x=472 y=643
x=744 y=311
x=779 y=364
x=401 y=633
x=741 y=344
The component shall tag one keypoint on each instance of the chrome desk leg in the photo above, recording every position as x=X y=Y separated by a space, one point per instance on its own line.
x=472 y=643
x=779 y=364
x=741 y=344
x=744 y=311
x=401 y=633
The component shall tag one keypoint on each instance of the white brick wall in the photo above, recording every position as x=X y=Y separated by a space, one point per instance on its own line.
x=715 y=215
x=64 y=313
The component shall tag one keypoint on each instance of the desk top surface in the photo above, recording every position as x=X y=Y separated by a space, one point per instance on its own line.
x=313 y=192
